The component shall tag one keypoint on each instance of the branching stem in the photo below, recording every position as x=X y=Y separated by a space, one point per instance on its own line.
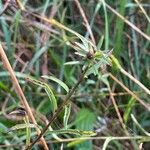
x=59 y=110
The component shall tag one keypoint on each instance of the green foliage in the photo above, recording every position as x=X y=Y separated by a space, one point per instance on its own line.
x=52 y=40
x=62 y=84
x=21 y=126
x=73 y=131
x=119 y=30
x=48 y=90
x=85 y=121
x=7 y=34
x=66 y=115
x=130 y=105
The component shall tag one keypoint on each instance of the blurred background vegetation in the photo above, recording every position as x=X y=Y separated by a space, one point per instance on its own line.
x=35 y=47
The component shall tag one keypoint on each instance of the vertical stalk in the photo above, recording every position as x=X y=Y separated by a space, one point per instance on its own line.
x=19 y=91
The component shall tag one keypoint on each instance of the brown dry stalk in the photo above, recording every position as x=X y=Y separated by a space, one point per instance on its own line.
x=86 y=21
x=19 y=91
x=147 y=106
x=135 y=80
x=118 y=112
x=128 y=22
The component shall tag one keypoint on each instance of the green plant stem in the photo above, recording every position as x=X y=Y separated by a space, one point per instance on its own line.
x=28 y=131
x=140 y=127
x=119 y=138
x=59 y=110
x=144 y=138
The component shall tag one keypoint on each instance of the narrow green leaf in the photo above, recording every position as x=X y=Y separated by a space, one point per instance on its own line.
x=119 y=29
x=7 y=89
x=94 y=68
x=28 y=132
x=80 y=54
x=16 y=26
x=127 y=112
x=115 y=62
x=82 y=47
x=66 y=115
x=37 y=55
x=37 y=82
x=84 y=133
x=7 y=36
x=3 y=128
x=72 y=63
x=104 y=79
x=99 y=45
x=21 y=126
x=51 y=97
x=106 y=143
x=140 y=127
x=76 y=142
x=48 y=91
x=62 y=84
x=106 y=26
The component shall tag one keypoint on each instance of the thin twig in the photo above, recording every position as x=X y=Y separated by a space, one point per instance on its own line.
x=120 y=138
x=135 y=80
x=59 y=110
x=143 y=10
x=19 y=91
x=86 y=21
x=120 y=68
x=147 y=106
x=4 y=7
x=128 y=22
x=118 y=112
